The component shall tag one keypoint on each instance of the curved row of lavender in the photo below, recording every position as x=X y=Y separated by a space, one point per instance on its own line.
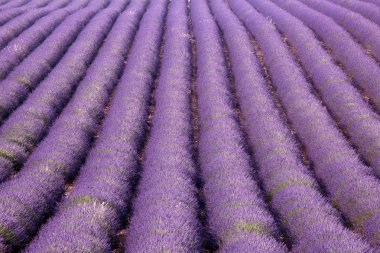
x=368 y=10
x=344 y=101
x=165 y=211
x=364 y=30
x=377 y=2
x=312 y=223
x=101 y=192
x=34 y=68
x=8 y=14
x=28 y=124
x=25 y=23
x=21 y=46
x=350 y=184
x=237 y=215
x=362 y=68
x=4 y=3
x=27 y=199
x=13 y=4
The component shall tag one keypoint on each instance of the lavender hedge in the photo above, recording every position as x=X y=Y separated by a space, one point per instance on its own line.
x=13 y=4
x=364 y=30
x=8 y=14
x=376 y=2
x=24 y=22
x=236 y=213
x=165 y=210
x=30 y=40
x=33 y=192
x=368 y=10
x=4 y=2
x=100 y=193
x=363 y=69
x=23 y=78
x=313 y=225
x=27 y=125
x=349 y=183
x=344 y=101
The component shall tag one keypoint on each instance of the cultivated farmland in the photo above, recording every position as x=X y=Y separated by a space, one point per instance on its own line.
x=176 y=126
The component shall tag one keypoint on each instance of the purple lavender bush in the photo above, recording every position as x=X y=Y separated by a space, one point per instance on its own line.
x=59 y=155
x=368 y=10
x=11 y=13
x=165 y=210
x=102 y=190
x=313 y=225
x=350 y=184
x=28 y=124
x=23 y=78
x=237 y=214
x=28 y=31
x=364 y=30
x=363 y=68
x=343 y=100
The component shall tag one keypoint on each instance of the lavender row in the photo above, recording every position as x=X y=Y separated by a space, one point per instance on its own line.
x=349 y=183
x=34 y=68
x=313 y=224
x=8 y=14
x=336 y=90
x=364 y=30
x=13 y=4
x=237 y=214
x=4 y=2
x=27 y=199
x=363 y=69
x=19 y=48
x=376 y=2
x=100 y=193
x=368 y=10
x=16 y=26
x=166 y=208
x=28 y=124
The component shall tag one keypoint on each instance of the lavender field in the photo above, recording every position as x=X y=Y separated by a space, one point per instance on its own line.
x=176 y=126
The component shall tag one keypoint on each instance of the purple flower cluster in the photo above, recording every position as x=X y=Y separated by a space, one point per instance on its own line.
x=342 y=98
x=368 y=10
x=27 y=199
x=237 y=214
x=166 y=208
x=25 y=76
x=363 y=69
x=313 y=224
x=364 y=30
x=27 y=125
x=350 y=184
